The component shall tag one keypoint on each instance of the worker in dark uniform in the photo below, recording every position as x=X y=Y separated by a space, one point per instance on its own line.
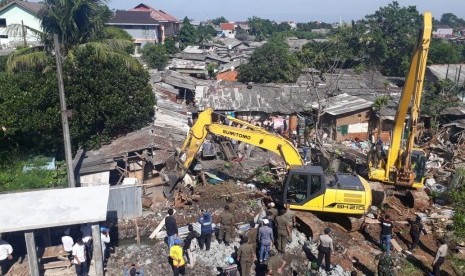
x=276 y=264
x=272 y=210
x=252 y=235
x=324 y=249
x=284 y=229
x=416 y=227
x=246 y=256
x=232 y=205
x=227 y=227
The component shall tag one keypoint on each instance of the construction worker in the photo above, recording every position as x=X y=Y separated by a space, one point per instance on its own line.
x=385 y=263
x=324 y=249
x=232 y=205
x=177 y=258
x=266 y=239
x=246 y=256
x=272 y=210
x=276 y=264
x=191 y=246
x=386 y=232
x=440 y=257
x=284 y=229
x=206 y=230
x=290 y=215
x=227 y=227
x=252 y=235
x=416 y=228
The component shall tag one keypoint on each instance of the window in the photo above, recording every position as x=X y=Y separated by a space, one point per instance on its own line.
x=297 y=190
x=315 y=186
x=2 y=22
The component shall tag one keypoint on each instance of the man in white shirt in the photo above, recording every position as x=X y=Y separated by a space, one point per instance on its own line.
x=67 y=241
x=105 y=238
x=86 y=230
x=5 y=256
x=440 y=257
x=79 y=258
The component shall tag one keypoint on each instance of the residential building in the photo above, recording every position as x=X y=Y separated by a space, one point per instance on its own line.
x=146 y=24
x=17 y=13
x=443 y=31
x=228 y=30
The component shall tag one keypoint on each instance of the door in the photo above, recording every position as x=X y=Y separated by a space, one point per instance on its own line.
x=296 y=189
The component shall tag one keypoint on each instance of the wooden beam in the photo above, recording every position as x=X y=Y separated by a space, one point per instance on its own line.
x=31 y=253
x=159 y=227
x=98 y=254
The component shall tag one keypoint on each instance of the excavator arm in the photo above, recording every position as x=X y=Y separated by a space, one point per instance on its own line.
x=250 y=134
x=403 y=164
x=247 y=133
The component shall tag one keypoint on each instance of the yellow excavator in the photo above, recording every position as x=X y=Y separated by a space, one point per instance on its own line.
x=405 y=165
x=306 y=187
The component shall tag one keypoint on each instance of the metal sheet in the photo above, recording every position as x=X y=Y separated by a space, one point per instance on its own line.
x=125 y=202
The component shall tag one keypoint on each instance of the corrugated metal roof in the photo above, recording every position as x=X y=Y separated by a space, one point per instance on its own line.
x=344 y=103
x=453 y=72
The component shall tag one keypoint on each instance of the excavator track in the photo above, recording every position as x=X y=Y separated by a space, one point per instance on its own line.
x=418 y=199
x=313 y=225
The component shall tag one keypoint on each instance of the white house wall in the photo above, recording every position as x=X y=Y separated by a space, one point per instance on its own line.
x=14 y=15
x=142 y=33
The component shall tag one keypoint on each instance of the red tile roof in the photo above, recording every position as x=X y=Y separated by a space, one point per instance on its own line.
x=227 y=26
x=154 y=13
x=228 y=76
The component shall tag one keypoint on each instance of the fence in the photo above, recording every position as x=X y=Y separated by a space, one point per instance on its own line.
x=125 y=202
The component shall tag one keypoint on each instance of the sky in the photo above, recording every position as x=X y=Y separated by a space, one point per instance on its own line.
x=287 y=10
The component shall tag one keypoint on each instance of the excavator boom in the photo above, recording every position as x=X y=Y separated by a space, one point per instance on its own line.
x=404 y=166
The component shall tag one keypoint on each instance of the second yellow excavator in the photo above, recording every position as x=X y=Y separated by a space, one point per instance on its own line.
x=405 y=165
x=306 y=187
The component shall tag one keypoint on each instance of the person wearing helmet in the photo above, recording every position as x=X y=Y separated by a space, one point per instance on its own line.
x=265 y=237
x=177 y=258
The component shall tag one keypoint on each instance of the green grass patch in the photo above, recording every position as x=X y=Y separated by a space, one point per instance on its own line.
x=14 y=178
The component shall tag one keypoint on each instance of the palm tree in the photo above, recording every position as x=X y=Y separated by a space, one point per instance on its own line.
x=379 y=105
x=78 y=24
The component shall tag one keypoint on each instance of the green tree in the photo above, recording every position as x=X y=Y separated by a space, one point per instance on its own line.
x=219 y=20
x=170 y=46
x=452 y=20
x=187 y=33
x=392 y=32
x=111 y=33
x=205 y=33
x=457 y=198
x=379 y=106
x=155 y=55
x=437 y=97
x=445 y=52
x=271 y=63
x=261 y=28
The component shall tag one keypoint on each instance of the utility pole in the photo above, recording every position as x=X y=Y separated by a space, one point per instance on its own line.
x=64 y=116
x=23 y=29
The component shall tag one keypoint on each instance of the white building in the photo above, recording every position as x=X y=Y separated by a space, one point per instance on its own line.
x=19 y=12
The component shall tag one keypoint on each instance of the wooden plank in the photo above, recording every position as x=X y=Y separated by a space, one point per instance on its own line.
x=57 y=264
x=396 y=245
x=54 y=252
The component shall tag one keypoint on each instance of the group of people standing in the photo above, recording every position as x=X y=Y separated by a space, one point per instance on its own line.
x=255 y=245
x=385 y=265
x=81 y=251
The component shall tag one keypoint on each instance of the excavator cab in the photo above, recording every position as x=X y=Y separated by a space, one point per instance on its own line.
x=418 y=166
x=304 y=183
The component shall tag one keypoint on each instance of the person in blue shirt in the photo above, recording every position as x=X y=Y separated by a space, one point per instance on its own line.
x=206 y=230
x=133 y=270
